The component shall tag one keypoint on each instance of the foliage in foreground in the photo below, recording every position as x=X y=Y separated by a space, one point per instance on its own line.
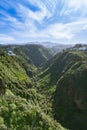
x=18 y=113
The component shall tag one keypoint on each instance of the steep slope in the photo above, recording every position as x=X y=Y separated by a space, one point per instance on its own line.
x=57 y=91
x=59 y=48
x=57 y=66
x=13 y=72
x=37 y=54
x=70 y=104
x=20 y=104
x=64 y=80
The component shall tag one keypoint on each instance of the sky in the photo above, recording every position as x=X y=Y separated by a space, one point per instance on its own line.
x=60 y=21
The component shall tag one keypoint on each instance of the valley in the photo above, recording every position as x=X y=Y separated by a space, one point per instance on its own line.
x=41 y=89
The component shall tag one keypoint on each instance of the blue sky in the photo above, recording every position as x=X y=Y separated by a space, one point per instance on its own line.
x=60 y=21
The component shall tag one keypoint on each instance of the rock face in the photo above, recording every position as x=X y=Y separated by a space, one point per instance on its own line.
x=2 y=86
x=70 y=103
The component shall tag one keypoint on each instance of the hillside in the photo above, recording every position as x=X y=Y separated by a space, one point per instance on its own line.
x=37 y=54
x=70 y=100
x=45 y=97
x=20 y=103
x=60 y=47
x=65 y=78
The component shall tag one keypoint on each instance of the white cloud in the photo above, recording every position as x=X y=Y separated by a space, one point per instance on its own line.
x=54 y=31
x=66 y=31
x=72 y=6
x=27 y=29
x=84 y=27
x=58 y=31
x=77 y=3
x=6 y=38
x=12 y=21
x=27 y=13
x=47 y=7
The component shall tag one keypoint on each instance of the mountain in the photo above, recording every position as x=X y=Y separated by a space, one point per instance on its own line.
x=12 y=70
x=37 y=54
x=70 y=100
x=60 y=47
x=65 y=78
x=42 y=94
x=21 y=106
x=48 y=44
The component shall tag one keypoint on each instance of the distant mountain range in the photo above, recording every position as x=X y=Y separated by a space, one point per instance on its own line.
x=55 y=47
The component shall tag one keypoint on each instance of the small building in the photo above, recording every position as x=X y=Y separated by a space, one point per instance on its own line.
x=10 y=53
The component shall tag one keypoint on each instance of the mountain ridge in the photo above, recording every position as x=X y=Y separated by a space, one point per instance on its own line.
x=20 y=104
x=55 y=91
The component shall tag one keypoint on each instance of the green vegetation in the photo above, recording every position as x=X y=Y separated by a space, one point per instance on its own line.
x=18 y=113
x=35 y=54
x=40 y=92
x=63 y=82
x=21 y=106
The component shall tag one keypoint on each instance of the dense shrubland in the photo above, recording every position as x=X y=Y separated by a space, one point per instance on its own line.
x=39 y=97
x=22 y=107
